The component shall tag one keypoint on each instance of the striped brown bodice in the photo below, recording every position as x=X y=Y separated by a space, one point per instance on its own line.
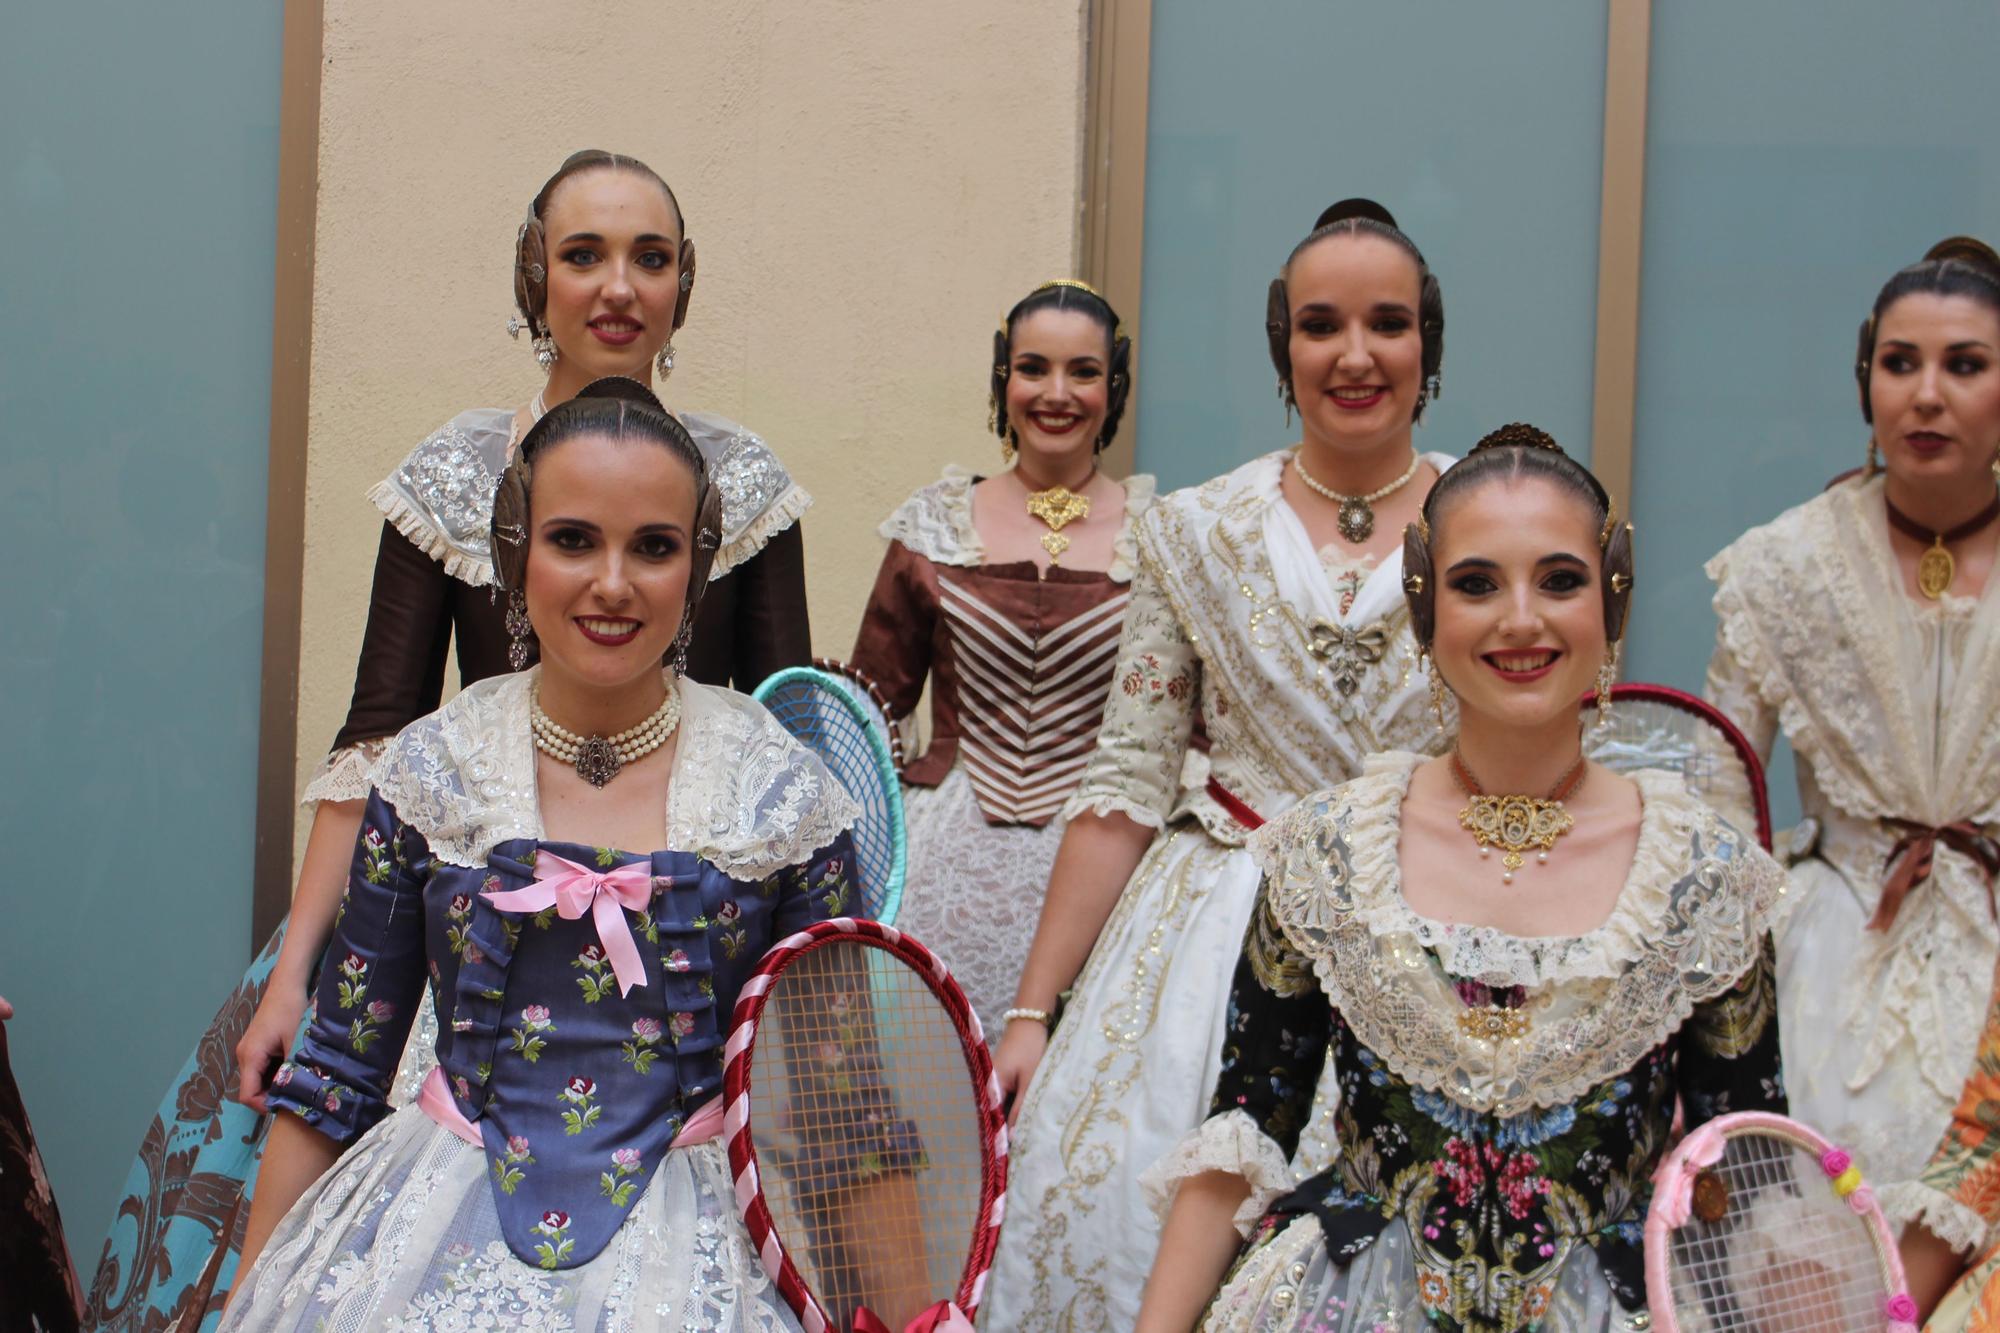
x=1034 y=659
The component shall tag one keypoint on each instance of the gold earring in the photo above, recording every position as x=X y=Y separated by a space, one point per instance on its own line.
x=1875 y=459
x=1607 y=677
x=1007 y=447
x=1429 y=663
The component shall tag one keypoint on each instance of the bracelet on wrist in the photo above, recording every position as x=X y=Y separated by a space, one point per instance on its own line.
x=1032 y=1015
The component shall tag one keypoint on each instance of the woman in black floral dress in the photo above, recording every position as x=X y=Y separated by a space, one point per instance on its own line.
x=37 y=1282
x=1463 y=1018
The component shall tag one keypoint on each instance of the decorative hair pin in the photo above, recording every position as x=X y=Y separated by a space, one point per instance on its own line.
x=1118 y=329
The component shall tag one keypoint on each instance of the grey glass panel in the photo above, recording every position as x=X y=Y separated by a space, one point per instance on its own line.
x=138 y=172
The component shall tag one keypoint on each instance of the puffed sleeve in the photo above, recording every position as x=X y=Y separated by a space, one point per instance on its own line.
x=1731 y=689
x=772 y=629
x=338 y=1079
x=1273 y=1054
x=1958 y=1194
x=1136 y=768
x=893 y=646
x=400 y=674
x=1729 y=1048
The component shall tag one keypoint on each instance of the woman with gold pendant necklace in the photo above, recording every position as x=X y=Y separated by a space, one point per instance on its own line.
x=1007 y=594
x=1507 y=1046
x=1256 y=604
x=1865 y=625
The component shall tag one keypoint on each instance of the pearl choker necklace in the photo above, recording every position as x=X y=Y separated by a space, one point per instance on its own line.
x=598 y=759
x=1357 y=512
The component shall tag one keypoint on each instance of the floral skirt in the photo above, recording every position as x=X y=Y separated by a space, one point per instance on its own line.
x=1288 y=1283
x=401 y=1236
x=1128 y=1074
x=974 y=891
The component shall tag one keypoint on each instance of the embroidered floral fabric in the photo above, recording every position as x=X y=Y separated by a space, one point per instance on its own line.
x=576 y=1090
x=1502 y=1163
x=1958 y=1194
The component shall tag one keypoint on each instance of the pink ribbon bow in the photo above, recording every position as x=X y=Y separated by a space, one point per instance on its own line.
x=573 y=890
x=943 y=1317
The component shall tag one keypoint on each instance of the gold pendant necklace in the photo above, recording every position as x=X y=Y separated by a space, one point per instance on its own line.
x=1935 y=567
x=1515 y=824
x=1058 y=507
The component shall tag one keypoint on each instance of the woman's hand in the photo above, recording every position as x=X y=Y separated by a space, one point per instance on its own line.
x=265 y=1042
x=1014 y=1063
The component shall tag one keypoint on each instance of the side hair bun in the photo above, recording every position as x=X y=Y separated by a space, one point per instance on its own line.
x=1969 y=251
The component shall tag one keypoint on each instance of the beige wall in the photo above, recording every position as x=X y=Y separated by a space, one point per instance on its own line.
x=870 y=183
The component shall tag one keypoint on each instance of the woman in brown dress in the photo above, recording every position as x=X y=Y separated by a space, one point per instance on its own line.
x=1008 y=593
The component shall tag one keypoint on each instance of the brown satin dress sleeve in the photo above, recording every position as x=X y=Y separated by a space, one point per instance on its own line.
x=400 y=674
x=753 y=619
x=900 y=643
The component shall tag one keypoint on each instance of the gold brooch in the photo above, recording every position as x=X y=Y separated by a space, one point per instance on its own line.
x=1494 y=1024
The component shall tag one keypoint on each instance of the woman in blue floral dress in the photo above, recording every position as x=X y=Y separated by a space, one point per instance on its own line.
x=560 y=1169
x=1495 y=1023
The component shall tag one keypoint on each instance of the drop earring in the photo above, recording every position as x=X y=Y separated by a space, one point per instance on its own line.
x=1008 y=447
x=519 y=630
x=1874 y=459
x=545 y=352
x=1429 y=663
x=1607 y=678
x=664 y=362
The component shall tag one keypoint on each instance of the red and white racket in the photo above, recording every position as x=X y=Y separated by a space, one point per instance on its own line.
x=1758 y=1223
x=865 y=1131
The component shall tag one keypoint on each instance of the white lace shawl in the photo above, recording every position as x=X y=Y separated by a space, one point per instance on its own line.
x=745 y=796
x=936 y=522
x=1689 y=923
x=441 y=496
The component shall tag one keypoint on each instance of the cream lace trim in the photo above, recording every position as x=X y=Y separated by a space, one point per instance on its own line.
x=1228 y=1142
x=1809 y=606
x=1952 y=1222
x=936 y=522
x=745 y=796
x=345 y=775
x=1695 y=923
x=1486 y=954
x=1106 y=803
x=440 y=497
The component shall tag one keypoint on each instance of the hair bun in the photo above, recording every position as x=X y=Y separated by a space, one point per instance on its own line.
x=1521 y=435
x=1356 y=207
x=1967 y=250
x=622 y=388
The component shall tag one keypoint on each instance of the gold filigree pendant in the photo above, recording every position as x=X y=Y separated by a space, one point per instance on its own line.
x=1516 y=825
x=1492 y=1023
x=1058 y=507
x=1935 y=570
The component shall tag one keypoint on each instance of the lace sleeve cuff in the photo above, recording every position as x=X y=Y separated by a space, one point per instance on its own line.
x=1102 y=802
x=1954 y=1223
x=346 y=774
x=1228 y=1142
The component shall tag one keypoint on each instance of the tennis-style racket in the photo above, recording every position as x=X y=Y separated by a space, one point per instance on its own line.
x=873 y=702
x=864 y=1130
x=1758 y=1223
x=1657 y=726
x=820 y=710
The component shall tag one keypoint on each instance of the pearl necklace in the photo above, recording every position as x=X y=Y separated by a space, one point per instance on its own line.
x=598 y=759
x=1515 y=824
x=1357 y=512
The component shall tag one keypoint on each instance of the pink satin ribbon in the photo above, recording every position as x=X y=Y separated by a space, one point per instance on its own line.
x=573 y=890
x=1673 y=1184
x=944 y=1317
x=434 y=1100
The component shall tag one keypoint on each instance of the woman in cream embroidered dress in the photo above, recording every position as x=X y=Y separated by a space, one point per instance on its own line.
x=561 y=1168
x=1505 y=1048
x=1890 y=697
x=603 y=276
x=1010 y=602
x=1298 y=674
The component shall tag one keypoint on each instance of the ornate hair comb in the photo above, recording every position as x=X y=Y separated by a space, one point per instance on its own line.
x=1521 y=435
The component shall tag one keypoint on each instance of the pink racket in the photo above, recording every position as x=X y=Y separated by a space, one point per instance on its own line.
x=865 y=1131
x=1758 y=1223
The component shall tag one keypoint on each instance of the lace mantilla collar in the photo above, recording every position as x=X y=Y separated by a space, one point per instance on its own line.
x=745 y=796
x=441 y=496
x=1689 y=924
x=936 y=522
